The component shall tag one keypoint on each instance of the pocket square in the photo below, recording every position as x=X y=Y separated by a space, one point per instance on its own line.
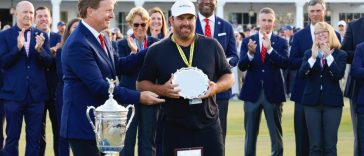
x=221 y=34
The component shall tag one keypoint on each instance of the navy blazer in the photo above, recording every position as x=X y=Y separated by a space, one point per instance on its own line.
x=51 y=72
x=85 y=67
x=353 y=36
x=23 y=74
x=267 y=75
x=328 y=78
x=129 y=80
x=224 y=33
x=301 y=42
x=357 y=72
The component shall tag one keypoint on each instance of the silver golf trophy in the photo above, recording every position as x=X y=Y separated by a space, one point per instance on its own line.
x=110 y=123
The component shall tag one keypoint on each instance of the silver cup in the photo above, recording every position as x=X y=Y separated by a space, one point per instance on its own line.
x=110 y=124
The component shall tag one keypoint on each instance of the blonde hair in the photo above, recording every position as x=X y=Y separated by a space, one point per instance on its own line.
x=333 y=40
x=137 y=11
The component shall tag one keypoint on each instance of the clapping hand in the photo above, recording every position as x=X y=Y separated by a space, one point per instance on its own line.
x=326 y=49
x=132 y=45
x=252 y=45
x=39 y=42
x=55 y=48
x=21 y=39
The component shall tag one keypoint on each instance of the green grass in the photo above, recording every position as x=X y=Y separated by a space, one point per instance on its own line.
x=235 y=134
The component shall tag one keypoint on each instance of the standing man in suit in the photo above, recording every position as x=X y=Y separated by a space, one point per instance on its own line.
x=87 y=60
x=353 y=36
x=43 y=22
x=301 y=42
x=210 y=25
x=24 y=53
x=263 y=56
x=2 y=118
x=357 y=72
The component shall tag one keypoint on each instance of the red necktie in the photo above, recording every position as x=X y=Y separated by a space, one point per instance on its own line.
x=102 y=41
x=263 y=53
x=207 y=28
x=323 y=62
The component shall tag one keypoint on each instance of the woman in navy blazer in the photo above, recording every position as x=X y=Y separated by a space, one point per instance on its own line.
x=322 y=68
x=145 y=116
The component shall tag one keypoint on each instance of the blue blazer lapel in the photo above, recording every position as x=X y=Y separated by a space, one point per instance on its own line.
x=94 y=43
x=199 y=26
x=111 y=53
x=32 y=42
x=257 y=49
x=274 y=40
x=218 y=27
x=308 y=36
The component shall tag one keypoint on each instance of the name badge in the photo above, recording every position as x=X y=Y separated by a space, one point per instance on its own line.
x=195 y=101
x=195 y=151
x=221 y=34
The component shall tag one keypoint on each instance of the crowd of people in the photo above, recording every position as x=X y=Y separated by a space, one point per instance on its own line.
x=64 y=72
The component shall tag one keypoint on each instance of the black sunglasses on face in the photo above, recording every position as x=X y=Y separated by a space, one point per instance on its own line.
x=139 y=24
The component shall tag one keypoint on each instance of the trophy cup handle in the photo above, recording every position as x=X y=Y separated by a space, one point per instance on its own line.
x=132 y=115
x=88 y=116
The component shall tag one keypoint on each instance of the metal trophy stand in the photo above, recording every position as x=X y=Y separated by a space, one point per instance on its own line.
x=110 y=123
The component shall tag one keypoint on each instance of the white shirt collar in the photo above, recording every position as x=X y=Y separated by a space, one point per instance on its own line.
x=211 y=18
x=312 y=29
x=93 y=31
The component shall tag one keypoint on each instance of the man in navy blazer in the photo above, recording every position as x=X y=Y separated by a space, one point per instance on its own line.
x=301 y=42
x=87 y=60
x=2 y=118
x=43 y=22
x=223 y=32
x=357 y=72
x=353 y=36
x=263 y=56
x=24 y=52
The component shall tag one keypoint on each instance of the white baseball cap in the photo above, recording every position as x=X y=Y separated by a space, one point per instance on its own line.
x=343 y=23
x=181 y=7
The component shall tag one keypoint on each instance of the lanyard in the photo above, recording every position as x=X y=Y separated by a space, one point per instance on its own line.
x=182 y=54
x=145 y=45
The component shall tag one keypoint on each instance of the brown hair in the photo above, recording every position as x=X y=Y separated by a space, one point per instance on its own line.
x=67 y=31
x=84 y=4
x=267 y=10
x=334 y=42
x=42 y=8
x=314 y=2
x=164 y=24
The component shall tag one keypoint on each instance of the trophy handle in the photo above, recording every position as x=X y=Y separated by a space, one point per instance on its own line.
x=88 y=116
x=132 y=115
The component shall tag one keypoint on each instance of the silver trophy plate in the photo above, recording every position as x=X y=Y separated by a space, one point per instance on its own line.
x=192 y=82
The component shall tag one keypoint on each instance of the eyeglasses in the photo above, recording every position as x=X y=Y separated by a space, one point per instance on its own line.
x=139 y=24
x=320 y=32
x=341 y=25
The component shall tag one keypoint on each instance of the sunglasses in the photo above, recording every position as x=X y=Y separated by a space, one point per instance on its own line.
x=139 y=24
